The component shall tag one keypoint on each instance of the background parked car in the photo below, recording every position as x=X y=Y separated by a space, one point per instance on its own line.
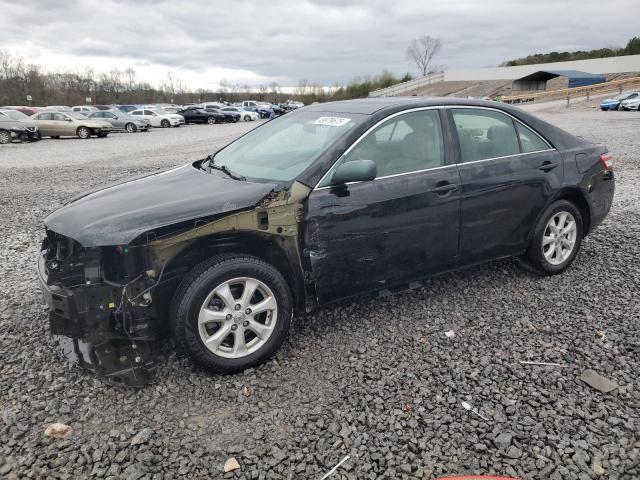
x=127 y=108
x=630 y=103
x=159 y=118
x=255 y=107
x=58 y=108
x=122 y=121
x=194 y=114
x=25 y=110
x=614 y=103
x=84 y=108
x=245 y=115
x=11 y=130
x=70 y=124
x=31 y=133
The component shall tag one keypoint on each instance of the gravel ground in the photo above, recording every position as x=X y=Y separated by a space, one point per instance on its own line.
x=373 y=378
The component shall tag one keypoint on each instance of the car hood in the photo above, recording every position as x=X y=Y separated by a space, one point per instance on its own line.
x=116 y=215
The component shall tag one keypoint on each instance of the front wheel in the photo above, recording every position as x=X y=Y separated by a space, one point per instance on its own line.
x=130 y=128
x=556 y=239
x=231 y=312
x=211 y=120
x=5 y=137
x=83 y=132
x=247 y=118
x=165 y=123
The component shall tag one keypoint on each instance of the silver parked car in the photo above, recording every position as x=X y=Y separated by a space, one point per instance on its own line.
x=121 y=121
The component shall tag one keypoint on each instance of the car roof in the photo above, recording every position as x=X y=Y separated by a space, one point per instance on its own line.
x=369 y=106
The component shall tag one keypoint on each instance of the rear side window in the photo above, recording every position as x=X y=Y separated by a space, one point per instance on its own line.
x=136 y=112
x=485 y=134
x=529 y=141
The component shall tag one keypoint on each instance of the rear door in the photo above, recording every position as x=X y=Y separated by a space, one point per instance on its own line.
x=508 y=173
x=400 y=227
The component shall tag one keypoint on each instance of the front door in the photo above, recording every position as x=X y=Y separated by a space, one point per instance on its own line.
x=508 y=173
x=400 y=227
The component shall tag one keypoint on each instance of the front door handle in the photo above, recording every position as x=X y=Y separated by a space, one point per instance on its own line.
x=547 y=166
x=443 y=188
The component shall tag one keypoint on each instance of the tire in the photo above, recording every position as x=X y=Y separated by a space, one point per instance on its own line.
x=200 y=286
x=543 y=255
x=130 y=128
x=247 y=118
x=5 y=137
x=211 y=120
x=83 y=132
x=165 y=123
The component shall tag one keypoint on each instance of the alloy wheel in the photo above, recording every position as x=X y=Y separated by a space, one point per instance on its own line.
x=5 y=137
x=237 y=317
x=83 y=132
x=559 y=238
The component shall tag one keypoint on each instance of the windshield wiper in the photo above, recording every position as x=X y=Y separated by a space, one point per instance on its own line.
x=223 y=168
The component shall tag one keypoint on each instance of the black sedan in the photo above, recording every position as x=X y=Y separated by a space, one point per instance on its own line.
x=200 y=115
x=327 y=202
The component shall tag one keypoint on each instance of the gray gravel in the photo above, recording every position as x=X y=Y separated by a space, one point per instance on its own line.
x=373 y=378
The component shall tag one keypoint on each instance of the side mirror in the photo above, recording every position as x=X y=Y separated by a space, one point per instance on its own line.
x=355 y=171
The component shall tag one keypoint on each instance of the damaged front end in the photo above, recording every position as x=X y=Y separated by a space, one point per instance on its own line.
x=100 y=307
x=109 y=304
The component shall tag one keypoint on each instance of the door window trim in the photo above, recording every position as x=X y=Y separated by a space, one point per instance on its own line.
x=373 y=127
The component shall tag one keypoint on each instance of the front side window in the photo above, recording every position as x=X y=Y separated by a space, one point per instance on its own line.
x=484 y=134
x=407 y=143
x=60 y=117
x=283 y=148
x=45 y=116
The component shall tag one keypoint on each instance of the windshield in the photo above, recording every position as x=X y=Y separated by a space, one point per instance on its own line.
x=283 y=148
x=15 y=115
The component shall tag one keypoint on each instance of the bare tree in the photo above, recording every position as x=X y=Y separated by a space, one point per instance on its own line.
x=421 y=51
x=303 y=87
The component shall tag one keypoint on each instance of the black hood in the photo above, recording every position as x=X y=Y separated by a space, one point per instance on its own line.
x=116 y=215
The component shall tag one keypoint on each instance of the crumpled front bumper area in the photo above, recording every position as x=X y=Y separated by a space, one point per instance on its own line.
x=92 y=328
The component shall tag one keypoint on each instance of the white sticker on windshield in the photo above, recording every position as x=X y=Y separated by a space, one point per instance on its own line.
x=333 y=121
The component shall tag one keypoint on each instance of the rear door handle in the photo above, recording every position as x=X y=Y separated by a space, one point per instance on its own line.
x=547 y=166
x=442 y=188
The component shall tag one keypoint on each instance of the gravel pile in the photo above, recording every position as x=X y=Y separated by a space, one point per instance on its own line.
x=375 y=379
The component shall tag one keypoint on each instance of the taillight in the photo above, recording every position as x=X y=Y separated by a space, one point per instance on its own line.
x=607 y=161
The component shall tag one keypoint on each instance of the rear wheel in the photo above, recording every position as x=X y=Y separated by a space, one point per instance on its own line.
x=5 y=137
x=556 y=239
x=231 y=312
x=211 y=120
x=130 y=127
x=83 y=132
x=165 y=123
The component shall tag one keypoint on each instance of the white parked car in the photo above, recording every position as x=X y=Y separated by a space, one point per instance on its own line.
x=84 y=109
x=630 y=103
x=245 y=115
x=159 y=118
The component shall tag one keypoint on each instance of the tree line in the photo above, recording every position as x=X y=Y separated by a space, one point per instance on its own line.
x=631 y=48
x=19 y=79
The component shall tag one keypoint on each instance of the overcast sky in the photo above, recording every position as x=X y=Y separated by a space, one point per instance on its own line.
x=254 y=42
